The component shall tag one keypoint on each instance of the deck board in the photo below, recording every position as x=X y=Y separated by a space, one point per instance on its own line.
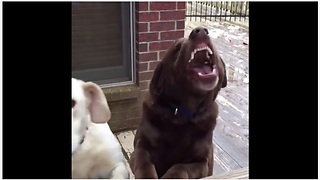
x=223 y=162
x=229 y=140
x=242 y=173
x=126 y=141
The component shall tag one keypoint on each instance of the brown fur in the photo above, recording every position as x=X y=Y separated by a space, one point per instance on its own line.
x=169 y=146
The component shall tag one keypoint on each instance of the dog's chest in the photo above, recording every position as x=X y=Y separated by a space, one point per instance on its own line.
x=179 y=137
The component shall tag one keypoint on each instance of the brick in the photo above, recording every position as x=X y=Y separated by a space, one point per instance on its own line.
x=162 y=26
x=153 y=65
x=114 y=107
x=161 y=54
x=117 y=116
x=132 y=113
x=115 y=95
x=131 y=104
x=147 y=37
x=171 y=35
x=144 y=85
x=145 y=76
x=172 y=15
x=163 y=6
x=128 y=124
x=180 y=25
x=142 y=27
x=143 y=47
x=108 y=96
x=119 y=106
x=156 y=46
x=142 y=6
x=143 y=66
x=142 y=94
x=181 y=5
x=149 y=56
x=148 y=16
x=125 y=94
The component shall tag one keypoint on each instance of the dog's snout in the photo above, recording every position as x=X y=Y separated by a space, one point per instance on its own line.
x=202 y=31
x=199 y=32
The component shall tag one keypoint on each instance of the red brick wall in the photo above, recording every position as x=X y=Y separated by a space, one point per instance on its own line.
x=158 y=25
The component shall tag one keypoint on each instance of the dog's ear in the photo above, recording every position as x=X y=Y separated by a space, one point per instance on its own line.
x=98 y=105
x=156 y=80
x=224 y=80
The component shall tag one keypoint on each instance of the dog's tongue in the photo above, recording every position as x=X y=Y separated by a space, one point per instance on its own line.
x=203 y=70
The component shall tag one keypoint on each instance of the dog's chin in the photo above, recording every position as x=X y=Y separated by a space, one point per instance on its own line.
x=205 y=84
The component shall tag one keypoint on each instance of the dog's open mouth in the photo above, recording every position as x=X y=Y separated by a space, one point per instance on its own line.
x=201 y=62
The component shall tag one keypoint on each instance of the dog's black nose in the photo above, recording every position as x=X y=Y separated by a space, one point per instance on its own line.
x=199 y=32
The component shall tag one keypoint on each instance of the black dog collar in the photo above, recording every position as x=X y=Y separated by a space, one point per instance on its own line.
x=179 y=110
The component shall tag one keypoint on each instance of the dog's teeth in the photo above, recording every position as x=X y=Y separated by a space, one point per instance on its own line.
x=209 y=50
x=206 y=62
x=199 y=73
x=192 y=56
x=201 y=49
x=207 y=53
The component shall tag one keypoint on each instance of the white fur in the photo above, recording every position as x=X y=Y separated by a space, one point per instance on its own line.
x=100 y=155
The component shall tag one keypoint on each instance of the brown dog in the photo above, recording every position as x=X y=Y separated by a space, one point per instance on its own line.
x=174 y=139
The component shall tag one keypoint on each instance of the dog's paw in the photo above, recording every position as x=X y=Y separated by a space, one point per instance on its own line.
x=176 y=172
x=145 y=174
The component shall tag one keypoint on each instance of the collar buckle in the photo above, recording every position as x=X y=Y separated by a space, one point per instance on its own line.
x=176 y=112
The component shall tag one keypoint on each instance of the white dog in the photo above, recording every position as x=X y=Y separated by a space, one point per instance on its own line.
x=95 y=151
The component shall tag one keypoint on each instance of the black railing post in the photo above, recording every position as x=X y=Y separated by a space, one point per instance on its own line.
x=216 y=11
x=241 y=4
x=231 y=13
x=220 y=12
x=206 y=11
x=235 y=17
x=225 y=11
x=211 y=5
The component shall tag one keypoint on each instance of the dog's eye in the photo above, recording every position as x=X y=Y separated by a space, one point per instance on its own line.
x=73 y=103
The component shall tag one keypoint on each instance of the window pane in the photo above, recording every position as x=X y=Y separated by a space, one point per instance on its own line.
x=98 y=52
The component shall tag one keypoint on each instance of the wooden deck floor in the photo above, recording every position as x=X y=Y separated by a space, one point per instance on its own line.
x=231 y=136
